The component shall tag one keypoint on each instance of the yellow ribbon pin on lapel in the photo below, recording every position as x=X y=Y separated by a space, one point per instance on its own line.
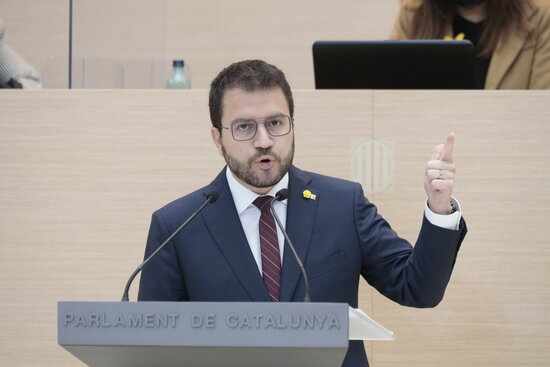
x=308 y=195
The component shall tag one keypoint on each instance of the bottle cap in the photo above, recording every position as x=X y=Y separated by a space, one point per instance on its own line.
x=179 y=63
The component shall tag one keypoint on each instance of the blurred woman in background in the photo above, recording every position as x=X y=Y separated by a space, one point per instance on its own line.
x=511 y=37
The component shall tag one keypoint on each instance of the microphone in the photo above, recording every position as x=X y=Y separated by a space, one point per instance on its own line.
x=280 y=196
x=210 y=198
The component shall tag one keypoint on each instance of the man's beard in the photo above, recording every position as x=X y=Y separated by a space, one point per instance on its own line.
x=243 y=170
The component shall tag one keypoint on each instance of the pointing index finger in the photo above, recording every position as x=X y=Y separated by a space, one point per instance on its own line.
x=447 y=155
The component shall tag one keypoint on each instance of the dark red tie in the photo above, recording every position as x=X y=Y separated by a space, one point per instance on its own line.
x=271 y=259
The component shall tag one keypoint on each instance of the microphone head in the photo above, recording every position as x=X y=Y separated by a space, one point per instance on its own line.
x=281 y=195
x=212 y=196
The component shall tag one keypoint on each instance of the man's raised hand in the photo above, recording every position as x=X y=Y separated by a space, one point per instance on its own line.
x=439 y=178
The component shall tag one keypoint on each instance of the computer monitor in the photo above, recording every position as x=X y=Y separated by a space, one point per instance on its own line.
x=414 y=64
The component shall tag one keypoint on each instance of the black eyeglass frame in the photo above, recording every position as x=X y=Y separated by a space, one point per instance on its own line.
x=262 y=120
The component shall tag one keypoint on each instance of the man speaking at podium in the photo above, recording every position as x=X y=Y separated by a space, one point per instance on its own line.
x=234 y=251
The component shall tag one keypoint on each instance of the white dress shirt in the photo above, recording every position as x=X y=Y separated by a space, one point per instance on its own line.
x=249 y=214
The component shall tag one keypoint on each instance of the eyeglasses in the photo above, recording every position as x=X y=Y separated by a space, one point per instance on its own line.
x=246 y=129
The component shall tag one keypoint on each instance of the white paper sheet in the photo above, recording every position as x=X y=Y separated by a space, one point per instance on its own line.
x=362 y=327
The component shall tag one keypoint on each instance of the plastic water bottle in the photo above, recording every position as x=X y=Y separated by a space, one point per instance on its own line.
x=178 y=79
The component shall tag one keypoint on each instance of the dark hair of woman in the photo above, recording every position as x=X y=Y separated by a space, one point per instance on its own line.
x=503 y=18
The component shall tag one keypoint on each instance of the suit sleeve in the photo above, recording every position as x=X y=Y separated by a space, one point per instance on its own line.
x=411 y=276
x=161 y=279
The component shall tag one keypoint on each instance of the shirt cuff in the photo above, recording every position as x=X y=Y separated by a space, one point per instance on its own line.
x=447 y=221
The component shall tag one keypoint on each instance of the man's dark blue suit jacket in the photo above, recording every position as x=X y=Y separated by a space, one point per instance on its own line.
x=339 y=236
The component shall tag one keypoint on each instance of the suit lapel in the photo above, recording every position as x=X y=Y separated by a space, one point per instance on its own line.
x=503 y=57
x=301 y=215
x=506 y=53
x=224 y=225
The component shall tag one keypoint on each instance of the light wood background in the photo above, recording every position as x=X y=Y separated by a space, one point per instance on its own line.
x=209 y=35
x=82 y=171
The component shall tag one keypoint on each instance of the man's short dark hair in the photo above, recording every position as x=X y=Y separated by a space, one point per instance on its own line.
x=250 y=76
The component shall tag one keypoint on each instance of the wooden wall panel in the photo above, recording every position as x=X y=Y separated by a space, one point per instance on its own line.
x=214 y=35
x=496 y=310
x=82 y=172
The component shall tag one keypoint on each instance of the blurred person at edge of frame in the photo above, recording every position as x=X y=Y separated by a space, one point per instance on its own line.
x=511 y=38
x=14 y=71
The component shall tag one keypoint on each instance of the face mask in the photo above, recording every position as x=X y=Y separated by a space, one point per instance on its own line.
x=467 y=4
